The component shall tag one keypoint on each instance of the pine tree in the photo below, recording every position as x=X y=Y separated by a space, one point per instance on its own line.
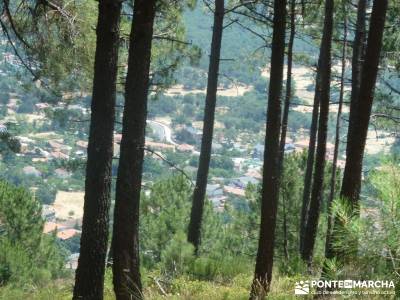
x=351 y=184
x=89 y=280
x=324 y=68
x=196 y=215
x=126 y=261
x=270 y=188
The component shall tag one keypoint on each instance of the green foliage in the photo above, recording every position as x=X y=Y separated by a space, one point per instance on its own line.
x=46 y=194
x=165 y=214
x=26 y=255
x=177 y=256
x=370 y=241
x=59 y=42
x=20 y=215
x=8 y=143
x=222 y=162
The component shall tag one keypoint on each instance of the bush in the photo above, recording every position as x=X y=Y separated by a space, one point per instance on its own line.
x=46 y=194
x=177 y=256
x=26 y=255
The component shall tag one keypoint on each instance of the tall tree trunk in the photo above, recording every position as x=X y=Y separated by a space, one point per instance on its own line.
x=126 y=266
x=357 y=61
x=328 y=247
x=324 y=68
x=357 y=65
x=270 y=187
x=356 y=141
x=196 y=215
x=89 y=279
x=285 y=117
x=310 y=163
x=288 y=95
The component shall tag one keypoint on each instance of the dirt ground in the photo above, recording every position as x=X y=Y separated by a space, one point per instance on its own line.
x=69 y=205
x=234 y=91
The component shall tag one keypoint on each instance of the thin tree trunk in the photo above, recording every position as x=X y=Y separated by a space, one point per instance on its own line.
x=357 y=62
x=355 y=149
x=324 y=67
x=126 y=265
x=285 y=117
x=270 y=187
x=288 y=95
x=285 y=230
x=328 y=247
x=196 y=215
x=89 y=279
x=309 y=164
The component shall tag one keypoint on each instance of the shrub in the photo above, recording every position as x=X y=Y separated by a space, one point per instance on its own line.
x=177 y=256
x=26 y=255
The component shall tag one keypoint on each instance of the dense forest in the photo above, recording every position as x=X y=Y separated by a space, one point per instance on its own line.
x=211 y=149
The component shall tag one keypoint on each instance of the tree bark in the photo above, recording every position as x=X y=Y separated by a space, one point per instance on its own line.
x=324 y=67
x=285 y=117
x=196 y=215
x=357 y=61
x=288 y=94
x=310 y=163
x=358 y=134
x=270 y=187
x=328 y=247
x=126 y=265
x=89 y=279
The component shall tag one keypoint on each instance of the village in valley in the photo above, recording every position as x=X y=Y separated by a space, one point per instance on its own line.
x=52 y=131
x=53 y=145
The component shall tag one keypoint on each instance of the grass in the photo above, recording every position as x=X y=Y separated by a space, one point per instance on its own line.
x=181 y=288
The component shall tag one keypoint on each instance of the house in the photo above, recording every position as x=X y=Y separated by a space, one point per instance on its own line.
x=254 y=173
x=222 y=109
x=185 y=148
x=24 y=139
x=66 y=234
x=234 y=190
x=39 y=152
x=159 y=146
x=23 y=148
x=80 y=153
x=82 y=144
x=301 y=145
x=50 y=227
x=39 y=159
x=31 y=171
x=42 y=106
x=57 y=146
x=3 y=129
x=59 y=155
x=243 y=181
